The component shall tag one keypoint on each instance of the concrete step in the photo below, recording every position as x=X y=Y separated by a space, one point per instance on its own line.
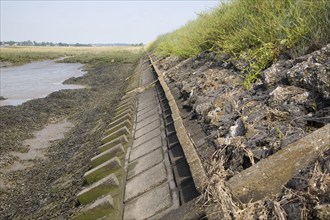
x=114 y=135
x=125 y=117
x=105 y=186
x=120 y=111
x=117 y=150
x=124 y=106
x=102 y=170
x=123 y=140
x=100 y=208
x=124 y=112
x=125 y=123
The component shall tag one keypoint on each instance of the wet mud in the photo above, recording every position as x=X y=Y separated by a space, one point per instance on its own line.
x=44 y=180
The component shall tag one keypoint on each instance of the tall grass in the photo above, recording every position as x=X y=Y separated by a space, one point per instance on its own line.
x=257 y=30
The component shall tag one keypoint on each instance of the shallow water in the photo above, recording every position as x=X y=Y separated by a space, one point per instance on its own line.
x=36 y=80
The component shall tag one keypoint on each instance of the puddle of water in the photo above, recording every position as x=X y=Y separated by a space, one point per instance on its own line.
x=36 y=80
x=37 y=145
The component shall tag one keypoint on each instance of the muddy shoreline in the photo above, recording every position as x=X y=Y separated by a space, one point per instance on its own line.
x=47 y=189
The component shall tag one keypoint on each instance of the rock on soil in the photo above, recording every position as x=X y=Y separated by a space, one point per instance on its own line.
x=289 y=101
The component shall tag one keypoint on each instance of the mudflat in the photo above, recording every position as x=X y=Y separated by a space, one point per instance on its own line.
x=46 y=178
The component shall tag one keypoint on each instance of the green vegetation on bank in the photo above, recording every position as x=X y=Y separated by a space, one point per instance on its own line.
x=21 y=55
x=258 y=31
x=125 y=55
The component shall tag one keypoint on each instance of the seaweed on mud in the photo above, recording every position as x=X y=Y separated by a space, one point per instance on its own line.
x=48 y=189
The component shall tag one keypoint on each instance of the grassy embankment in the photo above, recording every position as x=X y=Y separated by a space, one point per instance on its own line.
x=257 y=31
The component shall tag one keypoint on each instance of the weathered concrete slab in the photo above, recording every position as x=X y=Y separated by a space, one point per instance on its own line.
x=119 y=140
x=124 y=106
x=196 y=167
x=150 y=112
x=268 y=176
x=188 y=211
x=147 y=104
x=102 y=187
x=102 y=170
x=131 y=101
x=137 y=142
x=147 y=78
x=107 y=155
x=146 y=148
x=98 y=209
x=145 y=162
x=120 y=111
x=146 y=121
x=129 y=95
x=145 y=111
x=145 y=181
x=146 y=94
x=149 y=204
x=127 y=116
x=152 y=126
x=125 y=123
x=114 y=135
x=123 y=113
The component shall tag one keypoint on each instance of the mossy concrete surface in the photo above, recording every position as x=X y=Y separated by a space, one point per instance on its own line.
x=124 y=106
x=91 y=193
x=127 y=116
x=268 y=176
x=125 y=123
x=119 y=140
x=98 y=209
x=117 y=150
x=102 y=170
x=110 y=137
x=131 y=101
x=122 y=113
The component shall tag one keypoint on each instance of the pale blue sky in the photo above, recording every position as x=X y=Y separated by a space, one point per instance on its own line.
x=95 y=21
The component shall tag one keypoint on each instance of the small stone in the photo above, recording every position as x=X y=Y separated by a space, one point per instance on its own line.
x=238 y=129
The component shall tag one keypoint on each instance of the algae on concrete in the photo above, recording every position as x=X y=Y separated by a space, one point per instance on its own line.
x=117 y=150
x=108 y=184
x=120 y=140
x=102 y=170
x=110 y=137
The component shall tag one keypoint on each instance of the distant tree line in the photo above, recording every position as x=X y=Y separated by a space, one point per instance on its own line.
x=34 y=43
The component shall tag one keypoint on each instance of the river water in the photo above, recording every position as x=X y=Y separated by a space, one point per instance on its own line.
x=36 y=80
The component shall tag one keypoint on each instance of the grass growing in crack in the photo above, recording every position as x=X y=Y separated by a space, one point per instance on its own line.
x=258 y=31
